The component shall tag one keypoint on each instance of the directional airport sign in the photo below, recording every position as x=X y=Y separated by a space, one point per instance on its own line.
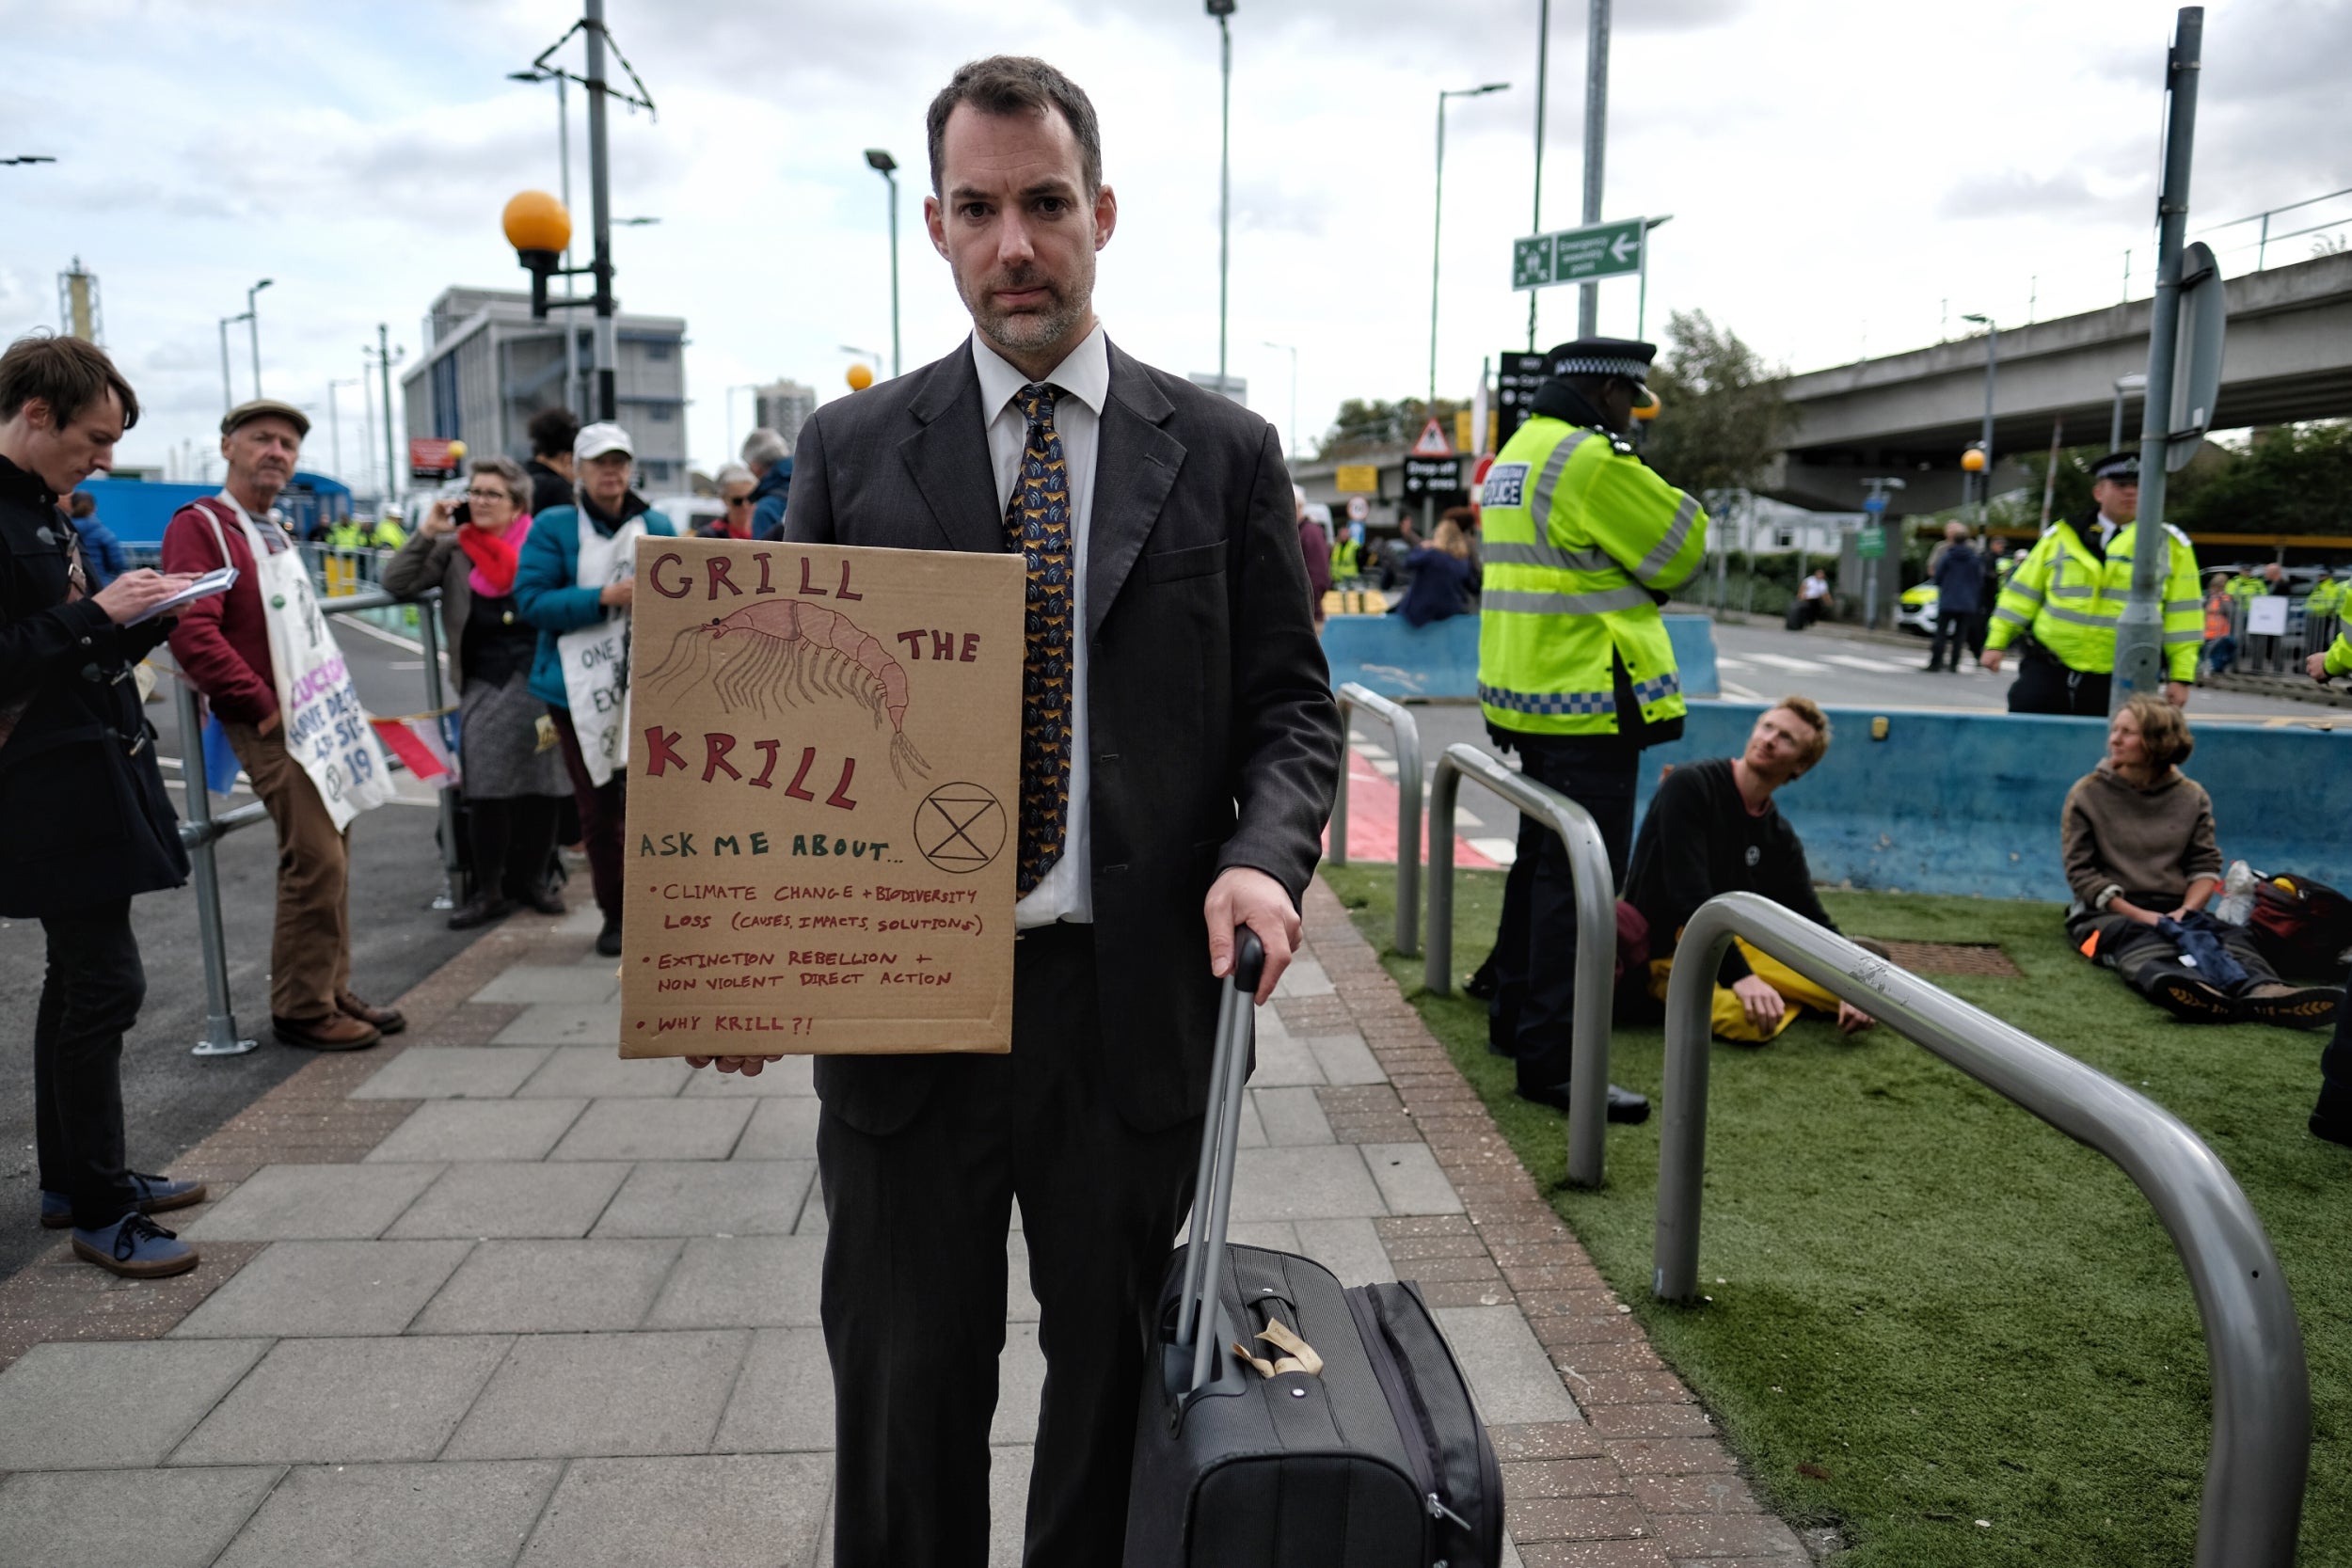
x=1579 y=255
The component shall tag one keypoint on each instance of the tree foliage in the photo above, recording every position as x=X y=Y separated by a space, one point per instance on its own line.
x=2289 y=479
x=1365 y=426
x=1726 y=415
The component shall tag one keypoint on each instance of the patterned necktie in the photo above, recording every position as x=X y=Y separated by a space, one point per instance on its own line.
x=1037 y=524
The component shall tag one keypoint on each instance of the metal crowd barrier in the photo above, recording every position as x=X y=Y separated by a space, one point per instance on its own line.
x=2280 y=654
x=1595 y=931
x=202 y=830
x=2260 y=1390
x=1405 y=736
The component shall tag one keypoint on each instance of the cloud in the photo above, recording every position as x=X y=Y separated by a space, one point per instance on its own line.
x=2013 y=192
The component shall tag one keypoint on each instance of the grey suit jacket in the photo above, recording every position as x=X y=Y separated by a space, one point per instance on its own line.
x=1216 y=738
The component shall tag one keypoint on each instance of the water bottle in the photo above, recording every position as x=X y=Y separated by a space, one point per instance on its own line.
x=2236 y=902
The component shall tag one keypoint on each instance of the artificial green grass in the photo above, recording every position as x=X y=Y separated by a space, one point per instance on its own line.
x=1972 y=1326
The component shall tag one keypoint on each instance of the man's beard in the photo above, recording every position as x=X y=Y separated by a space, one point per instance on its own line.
x=1021 y=331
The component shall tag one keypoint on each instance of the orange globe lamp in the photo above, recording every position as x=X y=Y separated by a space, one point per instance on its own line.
x=457 y=451
x=860 y=378
x=534 y=220
x=1650 y=410
x=1973 y=460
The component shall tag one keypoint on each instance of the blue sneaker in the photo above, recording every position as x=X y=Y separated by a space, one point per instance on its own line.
x=134 y=1247
x=155 y=1194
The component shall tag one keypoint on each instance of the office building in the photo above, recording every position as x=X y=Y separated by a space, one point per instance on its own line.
x=784 y=406
x=488 y=367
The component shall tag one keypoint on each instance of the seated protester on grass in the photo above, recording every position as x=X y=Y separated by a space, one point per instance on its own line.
x=2142 y=861
x=1713 y=828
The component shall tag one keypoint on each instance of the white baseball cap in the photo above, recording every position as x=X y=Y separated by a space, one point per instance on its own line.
x=597 y=439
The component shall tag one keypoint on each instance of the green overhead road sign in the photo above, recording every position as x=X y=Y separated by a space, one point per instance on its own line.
x=1579 y=255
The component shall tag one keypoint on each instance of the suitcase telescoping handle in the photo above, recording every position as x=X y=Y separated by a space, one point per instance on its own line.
x=1213 y=1187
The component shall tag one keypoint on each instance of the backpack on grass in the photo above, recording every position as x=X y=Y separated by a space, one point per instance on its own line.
x=2302 y=925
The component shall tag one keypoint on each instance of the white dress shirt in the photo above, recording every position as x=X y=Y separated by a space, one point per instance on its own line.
x=1081 y=382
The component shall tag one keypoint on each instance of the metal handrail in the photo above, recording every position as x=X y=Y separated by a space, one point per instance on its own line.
x=1404 y=734
x=203 y=829
x=1595 y=931
x=2261 y=1390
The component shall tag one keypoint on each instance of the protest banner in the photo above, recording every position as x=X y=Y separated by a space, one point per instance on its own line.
x=823 y=763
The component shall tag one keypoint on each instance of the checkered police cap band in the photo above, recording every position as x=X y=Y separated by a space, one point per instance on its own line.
x=1633 y=369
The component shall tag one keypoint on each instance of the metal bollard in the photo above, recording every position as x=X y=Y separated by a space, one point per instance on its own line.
x=2260 y=1452
x=220 y=1022
x=1405 y=735
x=1596 y=932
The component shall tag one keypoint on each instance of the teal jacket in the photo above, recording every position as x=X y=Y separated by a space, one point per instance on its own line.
x=546 y=590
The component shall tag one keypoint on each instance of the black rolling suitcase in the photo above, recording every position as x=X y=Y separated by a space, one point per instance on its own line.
x=1376 y=1459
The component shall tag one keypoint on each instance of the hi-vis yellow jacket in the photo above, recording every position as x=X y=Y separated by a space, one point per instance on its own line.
x=1576 y=532
x=2071 y=600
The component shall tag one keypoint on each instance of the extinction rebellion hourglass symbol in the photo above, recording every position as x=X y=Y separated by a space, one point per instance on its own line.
x=960 y=828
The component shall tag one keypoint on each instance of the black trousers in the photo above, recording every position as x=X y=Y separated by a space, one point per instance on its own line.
x=914 y=1285
x=2046 y=686
x=1534 y=1000
x=88 y=999
x=1961 y=627
x=511 y=841
x=2335 y=1066
x=603 y=809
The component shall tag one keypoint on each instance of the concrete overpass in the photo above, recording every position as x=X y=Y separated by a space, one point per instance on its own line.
x=2288 y=357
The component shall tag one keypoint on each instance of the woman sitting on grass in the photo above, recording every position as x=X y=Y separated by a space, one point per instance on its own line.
x=2141 y=859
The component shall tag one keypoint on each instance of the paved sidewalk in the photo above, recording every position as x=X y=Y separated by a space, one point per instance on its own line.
x=497 y=1297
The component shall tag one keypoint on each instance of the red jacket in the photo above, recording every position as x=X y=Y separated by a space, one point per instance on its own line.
x=222 y=642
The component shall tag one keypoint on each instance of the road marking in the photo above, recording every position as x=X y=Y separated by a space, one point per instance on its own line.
x=1879 y=666
x=1724 y=661
x=1782 y=661
x=1502 y=851
x=1471 y=819
x=410 y=643
x=1738 y=693
x=1368 y=749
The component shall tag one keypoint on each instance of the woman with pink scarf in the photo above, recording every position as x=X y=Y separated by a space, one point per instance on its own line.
x=511 y=769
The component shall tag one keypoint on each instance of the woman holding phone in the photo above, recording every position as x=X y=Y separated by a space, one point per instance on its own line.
x=512 y=771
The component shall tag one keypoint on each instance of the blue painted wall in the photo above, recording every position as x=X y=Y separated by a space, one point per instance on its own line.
x=1968 y=803
x=137 y=510
x=1440 y=659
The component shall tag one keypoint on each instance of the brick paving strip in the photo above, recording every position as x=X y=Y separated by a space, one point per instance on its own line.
x=498 y=1297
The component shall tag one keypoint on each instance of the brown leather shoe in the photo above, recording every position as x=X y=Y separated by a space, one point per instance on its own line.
x=336 y=1032
x=386 y=1019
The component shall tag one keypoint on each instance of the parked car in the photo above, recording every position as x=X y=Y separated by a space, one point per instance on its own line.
x=1915 y=611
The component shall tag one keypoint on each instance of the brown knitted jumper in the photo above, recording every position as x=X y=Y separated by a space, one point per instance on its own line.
x=2149 y=844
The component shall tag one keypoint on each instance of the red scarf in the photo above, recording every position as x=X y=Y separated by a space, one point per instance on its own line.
x=495 y=557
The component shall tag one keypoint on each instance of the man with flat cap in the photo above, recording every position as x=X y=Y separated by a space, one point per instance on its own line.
x=1583 y=543
x=265 y=658
x=2068 y=594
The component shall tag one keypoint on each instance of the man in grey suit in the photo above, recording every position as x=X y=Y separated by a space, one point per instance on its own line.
x=1180 y=750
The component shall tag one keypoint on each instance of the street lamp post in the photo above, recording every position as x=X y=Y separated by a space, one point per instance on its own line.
x=1542 y=86
x=563 y=161
x=253 y=322
x=1437 y=222
x=1992 y=368
x=334 y=422
x=228 y=397
x=1595 y=147
x=884 y=164
x=386 y=357
x=1222 y=10
x=1293 y=351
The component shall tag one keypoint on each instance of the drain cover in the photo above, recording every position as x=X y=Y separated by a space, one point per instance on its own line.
x=1953 y=957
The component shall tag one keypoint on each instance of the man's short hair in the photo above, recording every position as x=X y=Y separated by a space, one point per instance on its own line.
x=1011 y=85
x=763 y=449
x=1811 y=711
x=67 y=373
x=552 y=431
x=2163 y=732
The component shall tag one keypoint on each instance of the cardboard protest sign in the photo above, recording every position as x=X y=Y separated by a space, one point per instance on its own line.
x=824 y=759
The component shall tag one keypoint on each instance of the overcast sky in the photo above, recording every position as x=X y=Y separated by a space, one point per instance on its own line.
x=1837 y=170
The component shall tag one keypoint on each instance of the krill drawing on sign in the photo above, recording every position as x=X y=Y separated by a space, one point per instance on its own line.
x=800 y=652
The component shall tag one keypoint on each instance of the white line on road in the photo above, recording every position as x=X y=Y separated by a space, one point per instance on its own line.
x=1782 y=661
x=1724 y=661
x=1502 y=851
x=410 y=643
x=1877 y=666
x=1738 y=693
